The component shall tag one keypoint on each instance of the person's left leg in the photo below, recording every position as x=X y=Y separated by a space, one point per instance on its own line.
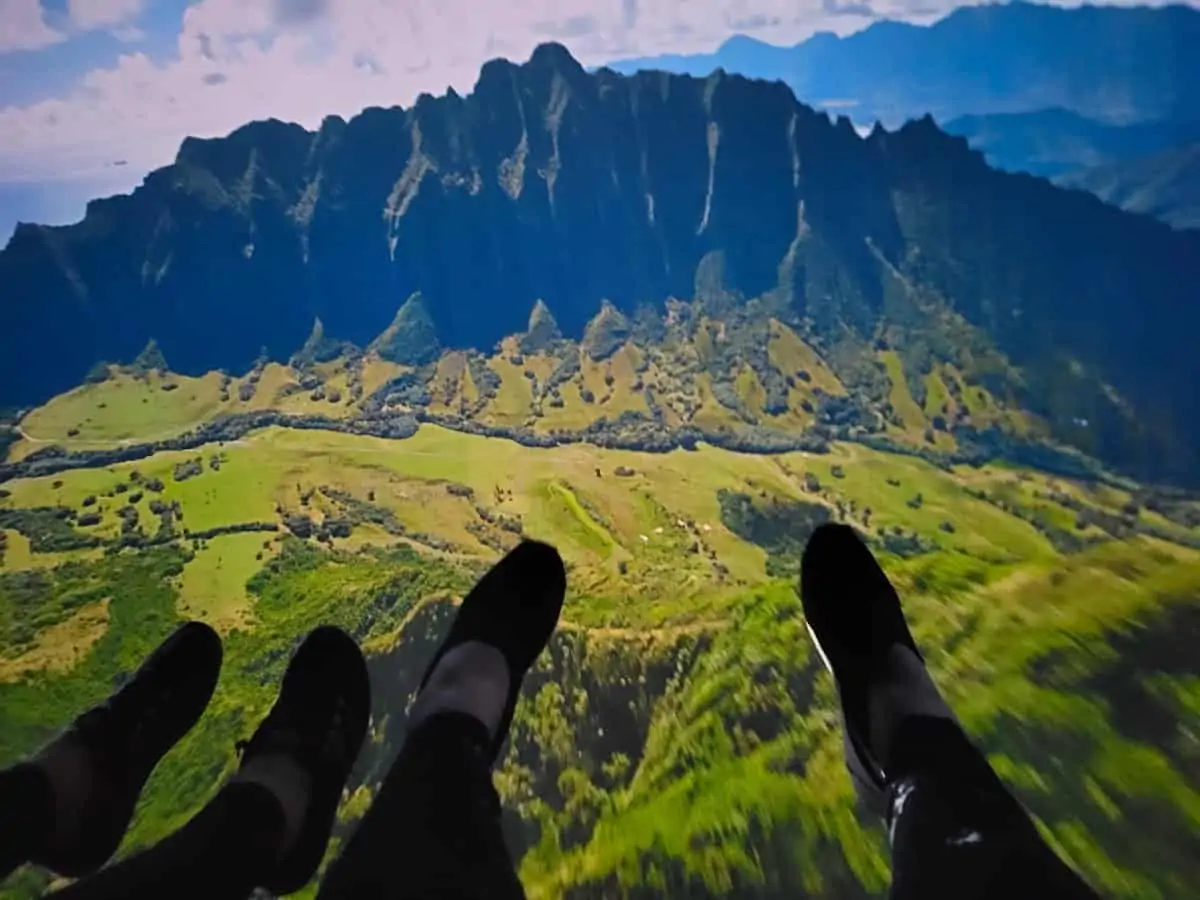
x=270 y=825
x=68 y=806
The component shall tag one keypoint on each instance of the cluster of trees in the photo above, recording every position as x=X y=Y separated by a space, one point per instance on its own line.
x=49 y=529
x=780 y=525
x=355 y=511
x=190 y=468
x=53 y=459
x=325 y=531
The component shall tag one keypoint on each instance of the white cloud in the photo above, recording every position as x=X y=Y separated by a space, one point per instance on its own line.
x=297 y=60
x=129 y=34
x=91 y=14
x=23 y=26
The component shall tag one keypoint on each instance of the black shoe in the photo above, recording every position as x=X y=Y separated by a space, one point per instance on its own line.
x=514 y=608
x=128 y=734
x=319 y=721
x=853 y=614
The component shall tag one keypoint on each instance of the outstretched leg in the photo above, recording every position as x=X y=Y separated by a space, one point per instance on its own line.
x=434 y=828
x=270 y=825
x=67 y=808
x=954 y=828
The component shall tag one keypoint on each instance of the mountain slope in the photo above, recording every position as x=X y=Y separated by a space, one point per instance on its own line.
x=1165 y=185
x=549 y=183
x=1107 y=62
x=1053 y=142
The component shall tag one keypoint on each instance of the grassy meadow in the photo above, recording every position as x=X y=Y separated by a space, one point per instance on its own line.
x=679 y=736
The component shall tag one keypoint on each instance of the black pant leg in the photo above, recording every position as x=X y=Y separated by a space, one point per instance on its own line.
x=26 y=815
x=223 y=853
x=434 y=829
x=955 y=829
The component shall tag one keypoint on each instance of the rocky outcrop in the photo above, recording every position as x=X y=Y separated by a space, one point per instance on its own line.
x=542 y=331
x=411 y=339
x=606 y=333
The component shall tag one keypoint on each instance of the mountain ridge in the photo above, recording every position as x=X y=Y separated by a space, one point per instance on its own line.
x=989 y=58
x=549 y=183
x=1164 y=184
x=1058 y=142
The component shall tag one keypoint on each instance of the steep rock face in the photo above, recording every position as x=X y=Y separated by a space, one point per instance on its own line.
x=547 y=182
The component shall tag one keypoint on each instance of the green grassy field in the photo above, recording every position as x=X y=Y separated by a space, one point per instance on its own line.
x=679 y=736
x=126 y=407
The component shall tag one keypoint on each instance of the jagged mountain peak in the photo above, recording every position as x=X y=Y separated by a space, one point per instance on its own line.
x=542 y=331
x=606 y=333
x=411 y=338
x=554 y=55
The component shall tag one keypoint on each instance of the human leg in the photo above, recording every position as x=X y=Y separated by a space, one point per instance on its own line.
x=955 y=829
x=270 y=825
x=67 y=807
x=434 y=828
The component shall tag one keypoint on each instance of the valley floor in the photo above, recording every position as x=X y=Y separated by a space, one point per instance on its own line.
x=679 y=734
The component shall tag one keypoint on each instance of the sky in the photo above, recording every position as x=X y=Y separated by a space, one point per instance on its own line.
x=96 y=93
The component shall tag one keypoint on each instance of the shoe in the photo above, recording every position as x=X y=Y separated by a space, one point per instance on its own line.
x=514 y=608
x=319 y=721
x=126 y=736
x=854 y=617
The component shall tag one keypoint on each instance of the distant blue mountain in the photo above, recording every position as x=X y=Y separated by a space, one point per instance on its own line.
x=1113 y=64
x=1165 y=185
x=1051 y=142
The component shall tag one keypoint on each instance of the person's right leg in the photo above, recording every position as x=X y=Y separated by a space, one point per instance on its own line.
x=954 y=828
x=26 y=815
x=270 y=825
x=434 y=828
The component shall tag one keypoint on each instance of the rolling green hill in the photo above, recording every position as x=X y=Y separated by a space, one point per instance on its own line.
x=679 y=735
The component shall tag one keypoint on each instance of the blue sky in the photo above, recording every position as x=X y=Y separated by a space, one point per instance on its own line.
x=96 y=93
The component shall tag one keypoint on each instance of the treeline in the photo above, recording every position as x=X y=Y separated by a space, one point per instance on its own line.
x=54 y=459
x=628 y=431
x=49 y=529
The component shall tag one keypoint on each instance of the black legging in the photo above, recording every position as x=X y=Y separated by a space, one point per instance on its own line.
x=434 y=831
x=224 y=851
x=26 y=816
x=954 y=828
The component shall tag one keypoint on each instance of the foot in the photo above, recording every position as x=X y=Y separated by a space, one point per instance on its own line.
x=304 y=749
x=97 y=768
x=504 y=623
x=854 y=617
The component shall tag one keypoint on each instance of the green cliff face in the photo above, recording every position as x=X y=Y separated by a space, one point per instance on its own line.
x=551 y=183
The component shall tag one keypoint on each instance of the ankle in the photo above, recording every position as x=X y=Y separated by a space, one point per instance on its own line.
x=284 y=778
x=902 y=690
x=471 y=678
